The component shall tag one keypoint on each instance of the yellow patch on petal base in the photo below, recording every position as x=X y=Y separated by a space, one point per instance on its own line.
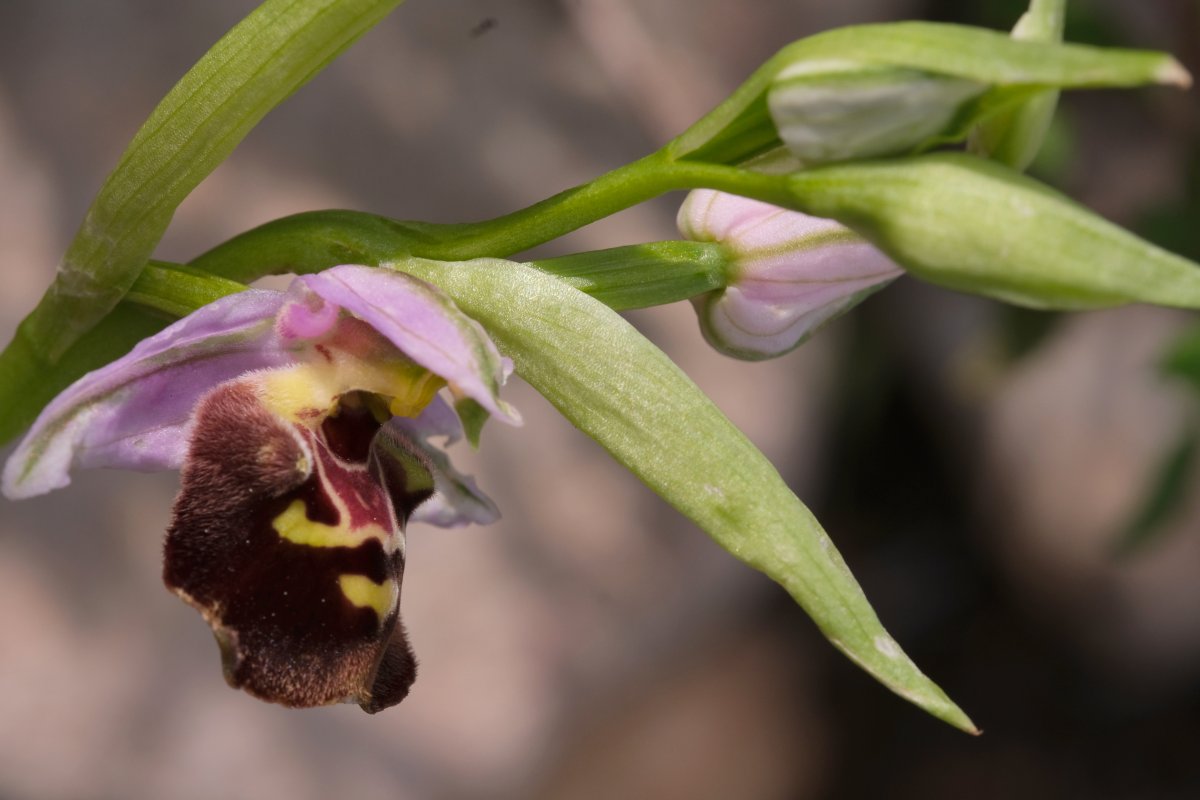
x=366 y=593
x=307 y=393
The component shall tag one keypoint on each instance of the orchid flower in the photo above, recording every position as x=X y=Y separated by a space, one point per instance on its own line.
x=301 y=421
x=788 y=272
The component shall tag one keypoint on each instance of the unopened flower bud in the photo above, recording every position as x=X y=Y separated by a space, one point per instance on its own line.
x=834 y=110
x=788 y=273
x=975 y=226
x=905 y=87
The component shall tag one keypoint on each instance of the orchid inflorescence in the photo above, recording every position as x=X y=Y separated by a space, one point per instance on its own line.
x=310 y=425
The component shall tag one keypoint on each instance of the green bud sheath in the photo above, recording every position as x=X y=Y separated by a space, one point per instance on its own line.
x=837 y=110
x=1015 y=135
x=625 y=393
x=878 y=90
x=979 y=227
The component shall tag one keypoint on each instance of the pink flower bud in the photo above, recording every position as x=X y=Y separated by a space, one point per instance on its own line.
x=788 y=273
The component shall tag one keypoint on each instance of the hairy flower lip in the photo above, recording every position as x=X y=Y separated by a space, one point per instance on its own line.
x=293 y=552
x=297 y=482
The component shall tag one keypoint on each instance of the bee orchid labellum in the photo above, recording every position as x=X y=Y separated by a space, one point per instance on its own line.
x=301 y=422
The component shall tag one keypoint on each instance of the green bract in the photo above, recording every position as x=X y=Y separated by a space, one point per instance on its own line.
x=617 y=387
x=258 y=64
x=977 y=226
x=835 y=110
x=1014 y=135
x=956 y=75
x=891 y=89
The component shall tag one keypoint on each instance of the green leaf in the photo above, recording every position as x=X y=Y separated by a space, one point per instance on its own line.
x=177 y=290
x=633 y=276
x=1043 y=22
x=161 y=294
x=253 y=68
x=988 y=56
x=1015 y=135
x=621 y=390
x=741 y=127
x=877 y=90
x=977 y=226
x=642 y=275
x=27 y=383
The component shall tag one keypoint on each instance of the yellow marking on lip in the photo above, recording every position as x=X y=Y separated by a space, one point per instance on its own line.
x=295 y=526
x=307 y=393
x=366 y=593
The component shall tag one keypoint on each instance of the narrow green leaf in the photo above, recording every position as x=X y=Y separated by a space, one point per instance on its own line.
x=161 y=294
x=879 y=90
x=312 y=241
x=737 y=129
x=254 y=67
x=1015 y=135
x=988 y=56
x=177 y=290
x=1043 y=22
x=621 y=390
x=642 y=275
x=977 y=226
x=27 y=383
x=1167 y=491
x=633 y=276
x=741 y=127
x=259 y=63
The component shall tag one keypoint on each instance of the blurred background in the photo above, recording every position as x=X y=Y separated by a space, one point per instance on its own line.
x=1013 y=489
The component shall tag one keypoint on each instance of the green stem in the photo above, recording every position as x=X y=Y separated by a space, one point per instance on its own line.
x=549 y=219
x=314 y=241
x=570 y=210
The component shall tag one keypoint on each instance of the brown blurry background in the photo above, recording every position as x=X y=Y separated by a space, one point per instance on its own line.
x=976 y=464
